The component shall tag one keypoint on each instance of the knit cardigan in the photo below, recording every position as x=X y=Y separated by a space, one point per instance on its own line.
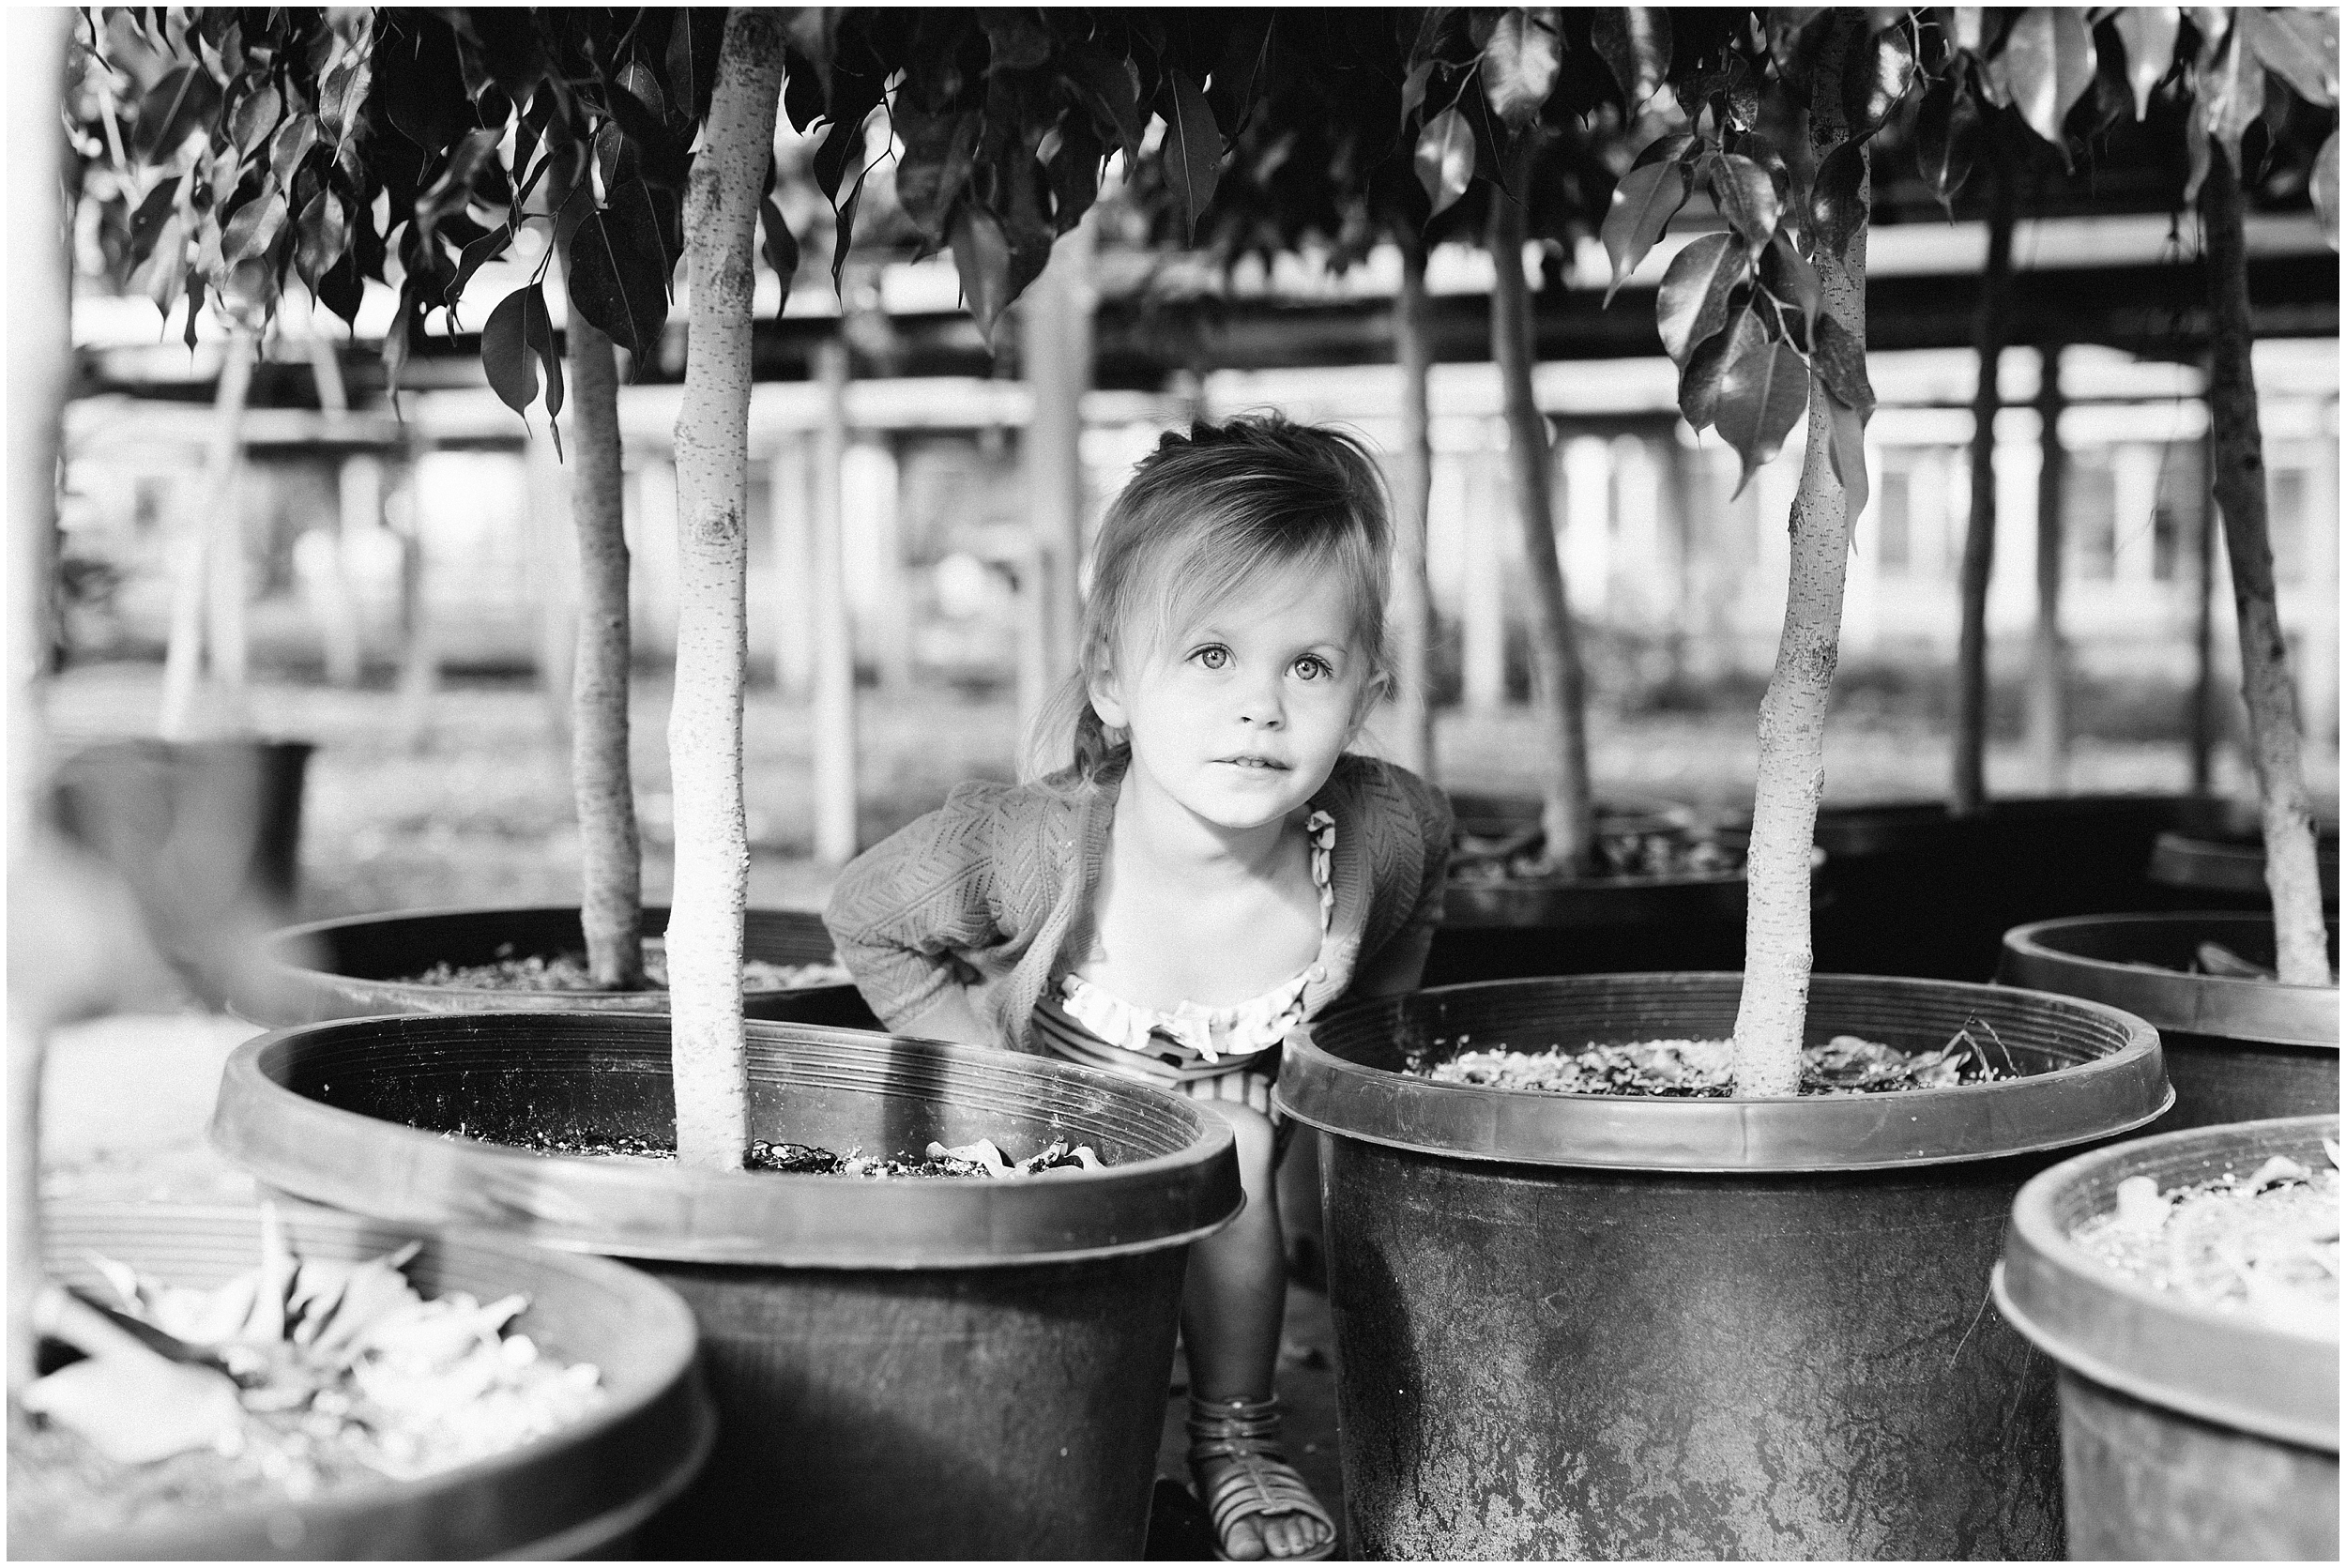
x=985 y=893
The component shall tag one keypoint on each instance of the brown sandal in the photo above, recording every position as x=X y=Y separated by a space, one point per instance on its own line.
x=1238 y=1469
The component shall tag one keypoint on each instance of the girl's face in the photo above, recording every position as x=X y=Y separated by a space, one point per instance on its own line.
x=1241 y=718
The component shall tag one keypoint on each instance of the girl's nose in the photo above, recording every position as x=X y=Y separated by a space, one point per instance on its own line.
x=1260 y=706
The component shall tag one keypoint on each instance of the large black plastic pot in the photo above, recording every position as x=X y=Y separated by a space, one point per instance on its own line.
x=356 y=967
x=572 y=1493
x=2220 y=865
x=902 y=1368
x=2237 y=1050
x=1919 y=891
x=2187 y=1432
x=1579 y=1326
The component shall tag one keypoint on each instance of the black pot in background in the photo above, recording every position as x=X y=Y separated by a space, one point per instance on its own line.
x=2237 y=1050
x=903 y=1368
x=356 y=967
x=2187 y=1432
x=2215 y=860
x=576 y=1492
x=1594 y=1327
x=1919 y=891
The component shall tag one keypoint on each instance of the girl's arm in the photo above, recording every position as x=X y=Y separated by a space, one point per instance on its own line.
x=1399 y=964
x=1397 y=967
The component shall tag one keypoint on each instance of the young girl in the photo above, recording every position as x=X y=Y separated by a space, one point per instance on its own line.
x=1209 y=870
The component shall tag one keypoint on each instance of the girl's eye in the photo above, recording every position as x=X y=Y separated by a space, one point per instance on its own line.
x=1213 y=656
x=1313 y=667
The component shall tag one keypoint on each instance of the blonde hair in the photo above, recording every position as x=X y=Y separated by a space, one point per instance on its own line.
x=1205 y=515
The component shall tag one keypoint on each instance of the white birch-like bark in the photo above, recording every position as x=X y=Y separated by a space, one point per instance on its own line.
x=712 y=854
x=1412 y=492
x=2048 y=653
x=1559 y=686
x=835 y=704
x=202 y=535
x=1777 y=953
x=2291 y=872
x=1056 y=346
x=1990 y=326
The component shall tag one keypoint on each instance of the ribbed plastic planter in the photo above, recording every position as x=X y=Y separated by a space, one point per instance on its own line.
x=358 y=966
x=2188 y=1432
x=577 y=1492
x=1599 y=1327
x=2196 y=870
x=1919 y=891
x=2237 y=1050
x=903 y=1368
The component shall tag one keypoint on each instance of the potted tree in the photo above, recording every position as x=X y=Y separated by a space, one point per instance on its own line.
x=1746 y=1269
x=838 y=1314
x=2248 y=1004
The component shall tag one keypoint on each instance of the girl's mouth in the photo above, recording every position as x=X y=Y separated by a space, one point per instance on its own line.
x=1262 y=763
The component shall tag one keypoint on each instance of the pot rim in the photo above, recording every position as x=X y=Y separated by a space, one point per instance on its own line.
x=2114 y=1093
x=2262 y=1011
x=678 y=1213
x=2153 y=1345
x=667 y=1327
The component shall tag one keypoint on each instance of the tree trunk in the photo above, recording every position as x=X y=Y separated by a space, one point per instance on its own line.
x=712 y=854
x=2204 y=719
x=40 y=362
x=1412 y=492
x=2290 y=867
x=610 y=851
x=1055 y=347
x=2048 y=653
x=834 y=631
x=1990 y=326
x=202 y=533
x=1559 y=691
x=1775 y=1004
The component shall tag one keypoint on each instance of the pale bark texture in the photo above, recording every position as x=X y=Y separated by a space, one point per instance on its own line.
x=2048 y=652
x=1777 y=954
x=206 y=527
x=1412 y=490
x=834 y=709
x=1559 y=687
x=2291 y=871
x=38 y=364
x=1990 y=326
x=1055 y=347
x=712 y=852
x=610 y=850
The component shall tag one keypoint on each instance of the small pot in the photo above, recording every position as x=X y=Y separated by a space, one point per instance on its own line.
x=2237 y=1050
x=903 y=1368
x=1579 y=1326
x=2187 y=1432
x=2218 y=864
x=576 y=1492
x=356 y=967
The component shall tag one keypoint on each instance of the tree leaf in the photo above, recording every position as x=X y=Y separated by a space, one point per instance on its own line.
x=694 y=35
x=1237 y=75
x=1839 y=361
x=1445 y=159
x=1633 y=41
x=1519 y=62
x=341 y=291
x=1745 y=194
x=257 y=117
x=148 y=221
x=1111 y=87
x=537 y=332
x=1692 y=305
x=666 y=159
x=1947 y=137
x=1763 y=393
x=1017 y=36
x=1667 y=149
x=1836 y=205
x=1700 y=380
x=322 y=234
x=618 y=271
x=2148 y=33
x=1845 y=450
x=295 y=139
x=2298 y=46
x=1872 y=93
x=1787 y=276
x=171 y=110
x=2234 y=94
x=940 y=152
x=982 y=257
x=842 y=236
x=2324 y=188
x=504 y=352
x=2048 y=63
x=1193 y=150
x=1644 y=201
x=780 y=247
x=2196 y=147
x=254 y=226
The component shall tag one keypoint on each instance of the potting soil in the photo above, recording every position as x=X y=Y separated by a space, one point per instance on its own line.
x=978 y=1159
x=569 y=973
x=2264 y=1246
x=1484 y=861
x=341 y=1372
x=1705 y=1068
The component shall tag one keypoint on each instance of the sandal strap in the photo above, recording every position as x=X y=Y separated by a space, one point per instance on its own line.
x=1238 y=1441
